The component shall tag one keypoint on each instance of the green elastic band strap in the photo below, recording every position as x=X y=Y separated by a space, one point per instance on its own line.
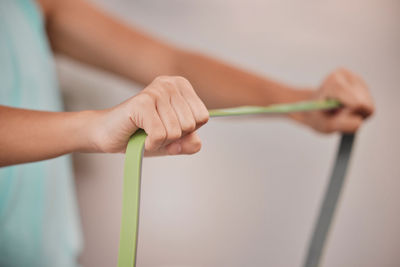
x=132 y=183
x=131 y=200
x=277 y=109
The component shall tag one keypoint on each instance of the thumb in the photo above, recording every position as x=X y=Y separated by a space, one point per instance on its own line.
x=189 y=144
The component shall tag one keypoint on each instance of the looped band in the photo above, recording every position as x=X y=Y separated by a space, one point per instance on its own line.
x=132 y=183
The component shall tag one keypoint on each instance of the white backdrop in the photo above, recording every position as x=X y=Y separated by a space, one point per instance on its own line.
x=250 y=197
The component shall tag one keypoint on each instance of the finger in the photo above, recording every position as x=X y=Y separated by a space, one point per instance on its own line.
x=364 y=105
x=351 y=99
x=336 y=87
x=364 y=98
x=191 y=143
x=149 y=120
x=188 y=144
x=352 y=92
x=170 y=121
x=183 y=113
x=345 y=121
x=174 y=148
x=197 y=106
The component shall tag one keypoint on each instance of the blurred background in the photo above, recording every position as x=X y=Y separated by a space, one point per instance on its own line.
x=251 y=196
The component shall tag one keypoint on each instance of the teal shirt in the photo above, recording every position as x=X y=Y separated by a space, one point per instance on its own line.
x=39 y=223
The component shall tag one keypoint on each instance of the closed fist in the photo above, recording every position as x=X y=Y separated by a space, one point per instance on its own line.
x=168 y=110
x=352 y=92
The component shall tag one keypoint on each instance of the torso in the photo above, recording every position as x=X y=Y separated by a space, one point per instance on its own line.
x=38 y=214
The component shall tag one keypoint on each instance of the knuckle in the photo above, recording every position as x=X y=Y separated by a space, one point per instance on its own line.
x=189 y=126
x=145 y=98
x=184 y=83
x=168 y=85
x=171 y=90
x=159 y=136
x=161 y=79
x=154 y=94
x=203 y=118
x=174 y=134
x=166 y=82
x=182 y=80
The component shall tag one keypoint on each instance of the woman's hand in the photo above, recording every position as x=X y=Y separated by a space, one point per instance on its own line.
x=168 y=110
x=352 y=92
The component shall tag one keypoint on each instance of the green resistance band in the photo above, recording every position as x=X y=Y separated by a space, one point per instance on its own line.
x=132 y=183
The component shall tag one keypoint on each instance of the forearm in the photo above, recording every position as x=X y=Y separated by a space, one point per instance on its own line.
x=223 y=85
x=27 y=135
x=84 y=32
x=79 y=30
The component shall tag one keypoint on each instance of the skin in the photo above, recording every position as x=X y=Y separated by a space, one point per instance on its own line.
x=179 y=87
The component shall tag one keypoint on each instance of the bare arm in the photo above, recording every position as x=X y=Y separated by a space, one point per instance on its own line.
x=168 y=110
x=27 y=135
x=80 y=30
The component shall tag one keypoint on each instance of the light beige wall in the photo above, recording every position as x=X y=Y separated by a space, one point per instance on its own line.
x=250 y=197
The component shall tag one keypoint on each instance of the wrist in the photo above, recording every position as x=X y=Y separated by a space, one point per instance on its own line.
x=299 y=95
x=85 y=130
x=279 y=93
